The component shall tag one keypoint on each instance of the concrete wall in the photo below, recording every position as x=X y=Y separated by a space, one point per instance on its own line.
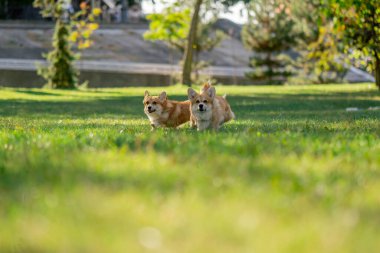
x=29 y=79
x=25 y=78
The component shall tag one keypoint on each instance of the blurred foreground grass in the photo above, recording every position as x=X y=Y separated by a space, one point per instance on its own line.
x=80 y=171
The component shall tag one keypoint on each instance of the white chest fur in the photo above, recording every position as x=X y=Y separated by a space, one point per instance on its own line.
x=156 y=119
x=203 y=119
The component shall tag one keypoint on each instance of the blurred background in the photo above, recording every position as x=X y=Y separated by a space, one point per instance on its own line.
x=239 y=42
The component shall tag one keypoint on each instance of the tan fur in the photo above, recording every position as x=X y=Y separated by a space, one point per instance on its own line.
x=166 y=113
x=209 y=110
x=205 y=87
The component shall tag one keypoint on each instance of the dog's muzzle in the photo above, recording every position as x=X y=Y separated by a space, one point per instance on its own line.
x=151 y=110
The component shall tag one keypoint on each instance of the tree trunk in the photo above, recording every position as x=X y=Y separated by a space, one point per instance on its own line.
x=377 y=71
x=196 y=57
x=188 y=55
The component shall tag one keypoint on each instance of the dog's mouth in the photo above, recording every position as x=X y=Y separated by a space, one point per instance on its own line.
x=151 y=110
x=202 y=109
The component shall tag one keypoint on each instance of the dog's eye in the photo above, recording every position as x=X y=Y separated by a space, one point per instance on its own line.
x=205 y=101
x=147 y=103
x=197 y=101
x=154 y=102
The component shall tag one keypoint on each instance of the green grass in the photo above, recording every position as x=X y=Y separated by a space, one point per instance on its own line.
x=80 y=171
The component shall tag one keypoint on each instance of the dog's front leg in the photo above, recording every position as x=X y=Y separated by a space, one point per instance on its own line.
x=203 y=125
x=193 y=122
x=216 y=124
x=216 y=127
x=153 y=127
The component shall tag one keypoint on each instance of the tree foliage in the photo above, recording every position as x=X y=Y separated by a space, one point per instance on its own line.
x=171 y=26
x=359 y=23
x=321 y=52
x=323 y=60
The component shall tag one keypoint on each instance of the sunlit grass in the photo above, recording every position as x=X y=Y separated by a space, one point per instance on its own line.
x=80 y=171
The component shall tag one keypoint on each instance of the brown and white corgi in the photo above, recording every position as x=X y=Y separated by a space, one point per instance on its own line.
x=166 y=113
x=209 y=110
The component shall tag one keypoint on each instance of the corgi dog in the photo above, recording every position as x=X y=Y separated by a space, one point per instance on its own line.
x=209 y=110
x=166 y=113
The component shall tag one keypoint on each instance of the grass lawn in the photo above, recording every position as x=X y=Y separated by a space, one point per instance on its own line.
x=80 y=171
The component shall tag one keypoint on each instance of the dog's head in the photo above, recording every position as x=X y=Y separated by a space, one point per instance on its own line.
x=154 y=105
x=201 y=102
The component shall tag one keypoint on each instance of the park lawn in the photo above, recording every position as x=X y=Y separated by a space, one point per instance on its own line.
x=80 y=171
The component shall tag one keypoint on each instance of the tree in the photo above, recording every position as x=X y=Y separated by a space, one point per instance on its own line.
x=70 y=28
x=172 y=26
x=270 y=32
x=359 y=22
x=191 y=37
x=188 y=55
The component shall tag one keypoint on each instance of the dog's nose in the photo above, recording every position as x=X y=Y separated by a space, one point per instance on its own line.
x=201 y=106
x=149 y=107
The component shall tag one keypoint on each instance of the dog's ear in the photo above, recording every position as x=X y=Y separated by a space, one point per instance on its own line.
x=146 y=93
x=163 y=96
x=191 y=93
x=211 y=92
x=206 y=86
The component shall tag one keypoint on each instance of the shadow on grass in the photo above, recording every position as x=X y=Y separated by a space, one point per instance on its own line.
x=131 y=106
x=302 y=102
x=38 y=93
x=245 y=107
